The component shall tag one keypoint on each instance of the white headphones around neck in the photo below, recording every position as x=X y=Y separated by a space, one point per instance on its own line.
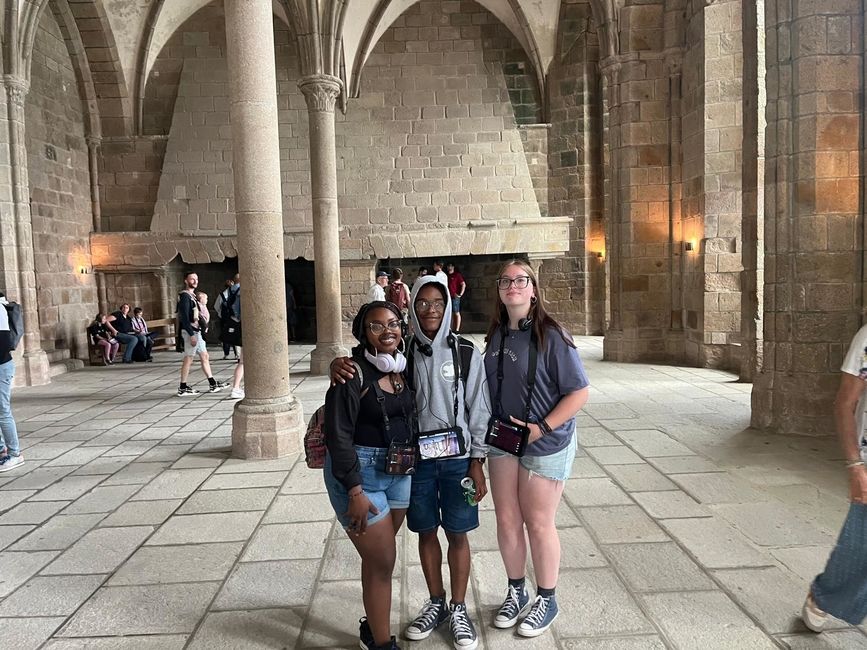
x=386 y=362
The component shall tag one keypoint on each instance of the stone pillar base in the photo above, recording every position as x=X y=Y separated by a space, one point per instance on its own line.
x=268 y=428
x=322 y=356
x=35 y=368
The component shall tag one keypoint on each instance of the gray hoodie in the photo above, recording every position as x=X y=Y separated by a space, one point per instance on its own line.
x=433 y=378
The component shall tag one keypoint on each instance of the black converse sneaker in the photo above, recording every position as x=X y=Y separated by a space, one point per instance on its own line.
x=517 y=602
x=432 y=614
x=463 y=632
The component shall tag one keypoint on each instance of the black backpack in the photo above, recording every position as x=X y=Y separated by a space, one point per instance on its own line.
x=226 y=311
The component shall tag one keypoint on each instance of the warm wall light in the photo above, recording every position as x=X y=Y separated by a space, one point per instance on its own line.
x=688 y=246
x=82 y=269
x=600 y=254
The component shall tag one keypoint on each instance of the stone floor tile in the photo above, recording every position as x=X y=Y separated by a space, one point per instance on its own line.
x=150 y=609
x=105 y=466
x=300 y=507
x=595 y=437
x=78 y=456
x=29 y=633
x=58 y=533
x=136 y=473
x=48 y=450
x=37 y=479
x=100 y=551
x=651 y=443
x=69 y=488
x=621 y=525
x=618 y=455
x=340 y=561
x=325 y=630
x=19 y=567
x=771 y=524
x=301 y=480
x=714 y=543
x=33 y=512
x=213 y=444
x=264 y=629
x=806 y=562
x=142 y=513
x=578 y=550
x=156 y=433
x=168 y=451
x=242 y=500
x=10 y=534
x=586 y=467
x=598 y=605
x=199 y=529
x=683 y=464
x=657 y=567
x=843 y=640
x=704 y=619
x=11 y=498
x=581 y=492
x=713 y=488
x=173 y=484
x=154 y=642
x=101 y=499
x=236 y=466
x=168 y=564
x=51 y=596
x=639 y=478
x=279 y=583
x=197 y=461
x=131 y=448
x=257 y=479
x=642 y=642
x=670 y=505
x=287 y=542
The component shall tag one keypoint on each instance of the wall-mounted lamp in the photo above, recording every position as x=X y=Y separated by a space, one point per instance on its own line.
x=599 y=255
x=82 y=269
x=688 y=246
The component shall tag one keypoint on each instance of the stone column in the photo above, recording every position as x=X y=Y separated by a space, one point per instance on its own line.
x=34 y=366
x=268 y=422
x=102 y=292
x=93 y=145
x=321 y=91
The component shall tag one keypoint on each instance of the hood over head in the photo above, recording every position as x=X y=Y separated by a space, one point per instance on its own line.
x=446 y=324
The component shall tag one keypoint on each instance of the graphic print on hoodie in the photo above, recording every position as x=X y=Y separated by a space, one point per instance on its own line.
x=434 y=378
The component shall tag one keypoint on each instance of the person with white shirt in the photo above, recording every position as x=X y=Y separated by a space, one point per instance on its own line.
x=439 y=273
x=376 y=293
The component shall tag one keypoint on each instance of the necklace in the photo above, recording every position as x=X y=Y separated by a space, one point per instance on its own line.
x=396 y=384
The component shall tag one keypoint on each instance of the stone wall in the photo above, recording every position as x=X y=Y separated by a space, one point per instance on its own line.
x=129 y=175
x=60 y=201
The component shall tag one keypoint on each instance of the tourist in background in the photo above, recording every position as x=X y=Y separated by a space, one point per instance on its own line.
x=101 y=336
x=10 y=455
x=376 y=293
x=457 y=288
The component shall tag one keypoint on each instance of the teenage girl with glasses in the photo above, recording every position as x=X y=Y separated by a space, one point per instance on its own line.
x=362 y=418
x=536 y=380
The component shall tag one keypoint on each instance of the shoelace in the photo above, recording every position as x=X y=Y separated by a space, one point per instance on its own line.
x=461 y=627
x=537 y=614
x=428 y=614
x=512 y=605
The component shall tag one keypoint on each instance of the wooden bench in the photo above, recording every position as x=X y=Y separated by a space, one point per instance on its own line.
x=164 y=339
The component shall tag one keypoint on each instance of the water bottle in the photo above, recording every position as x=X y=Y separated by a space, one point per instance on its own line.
x=469 y=490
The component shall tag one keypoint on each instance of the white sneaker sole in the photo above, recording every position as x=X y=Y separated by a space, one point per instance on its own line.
x=471 y=646
x=811 y=621
x=11 y=467
x=418 y=636
x=504 y=624
x=530 y=633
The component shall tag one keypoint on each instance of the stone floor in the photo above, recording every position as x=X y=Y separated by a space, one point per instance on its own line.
x=130 y=526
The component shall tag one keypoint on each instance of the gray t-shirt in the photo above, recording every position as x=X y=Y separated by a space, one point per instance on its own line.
x=559 y=371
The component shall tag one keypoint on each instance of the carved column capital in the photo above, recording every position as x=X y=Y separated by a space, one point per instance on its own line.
x=93 y=142
x=321 y=92
x=610 y=68
x=16 y=89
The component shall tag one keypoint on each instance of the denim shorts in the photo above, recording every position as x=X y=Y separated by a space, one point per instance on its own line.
x=385 y=491
x=438 y=498
x=556 y=466
x=456 y=304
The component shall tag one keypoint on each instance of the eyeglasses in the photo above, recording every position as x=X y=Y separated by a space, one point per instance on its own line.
x=379 y=328
x=521 y=282
x=430 y=305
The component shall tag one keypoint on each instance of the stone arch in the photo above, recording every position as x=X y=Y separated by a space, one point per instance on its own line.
x=93 y=42
x=154 y=41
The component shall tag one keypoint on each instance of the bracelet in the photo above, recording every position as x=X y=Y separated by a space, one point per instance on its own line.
x=357 y=494
x=854 y=463
x=546 y=428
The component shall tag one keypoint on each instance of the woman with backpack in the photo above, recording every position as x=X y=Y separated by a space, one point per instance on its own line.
x=398 y=293
x=370 y=436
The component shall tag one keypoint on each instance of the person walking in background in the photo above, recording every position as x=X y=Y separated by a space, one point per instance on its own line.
x=230 y=317
x=439 y=273
x=11 y=456
x=537 y=382
x=194 y=341
x=100 y=335
x=841 y=589
x=398 y=292
x=120 y=325
x=237 y=343
x=222 y=298
x=457 y=288
x=376 y=293
x=291 y=313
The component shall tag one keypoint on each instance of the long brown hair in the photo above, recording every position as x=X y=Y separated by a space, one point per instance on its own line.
x=542 y=321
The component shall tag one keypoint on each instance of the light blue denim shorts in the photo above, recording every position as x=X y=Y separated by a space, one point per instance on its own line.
x=556 y=466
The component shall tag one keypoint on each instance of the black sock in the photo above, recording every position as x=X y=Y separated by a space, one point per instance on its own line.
x=545 y=593
x=183 y=385
x=212 y=381
x=517 y=583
